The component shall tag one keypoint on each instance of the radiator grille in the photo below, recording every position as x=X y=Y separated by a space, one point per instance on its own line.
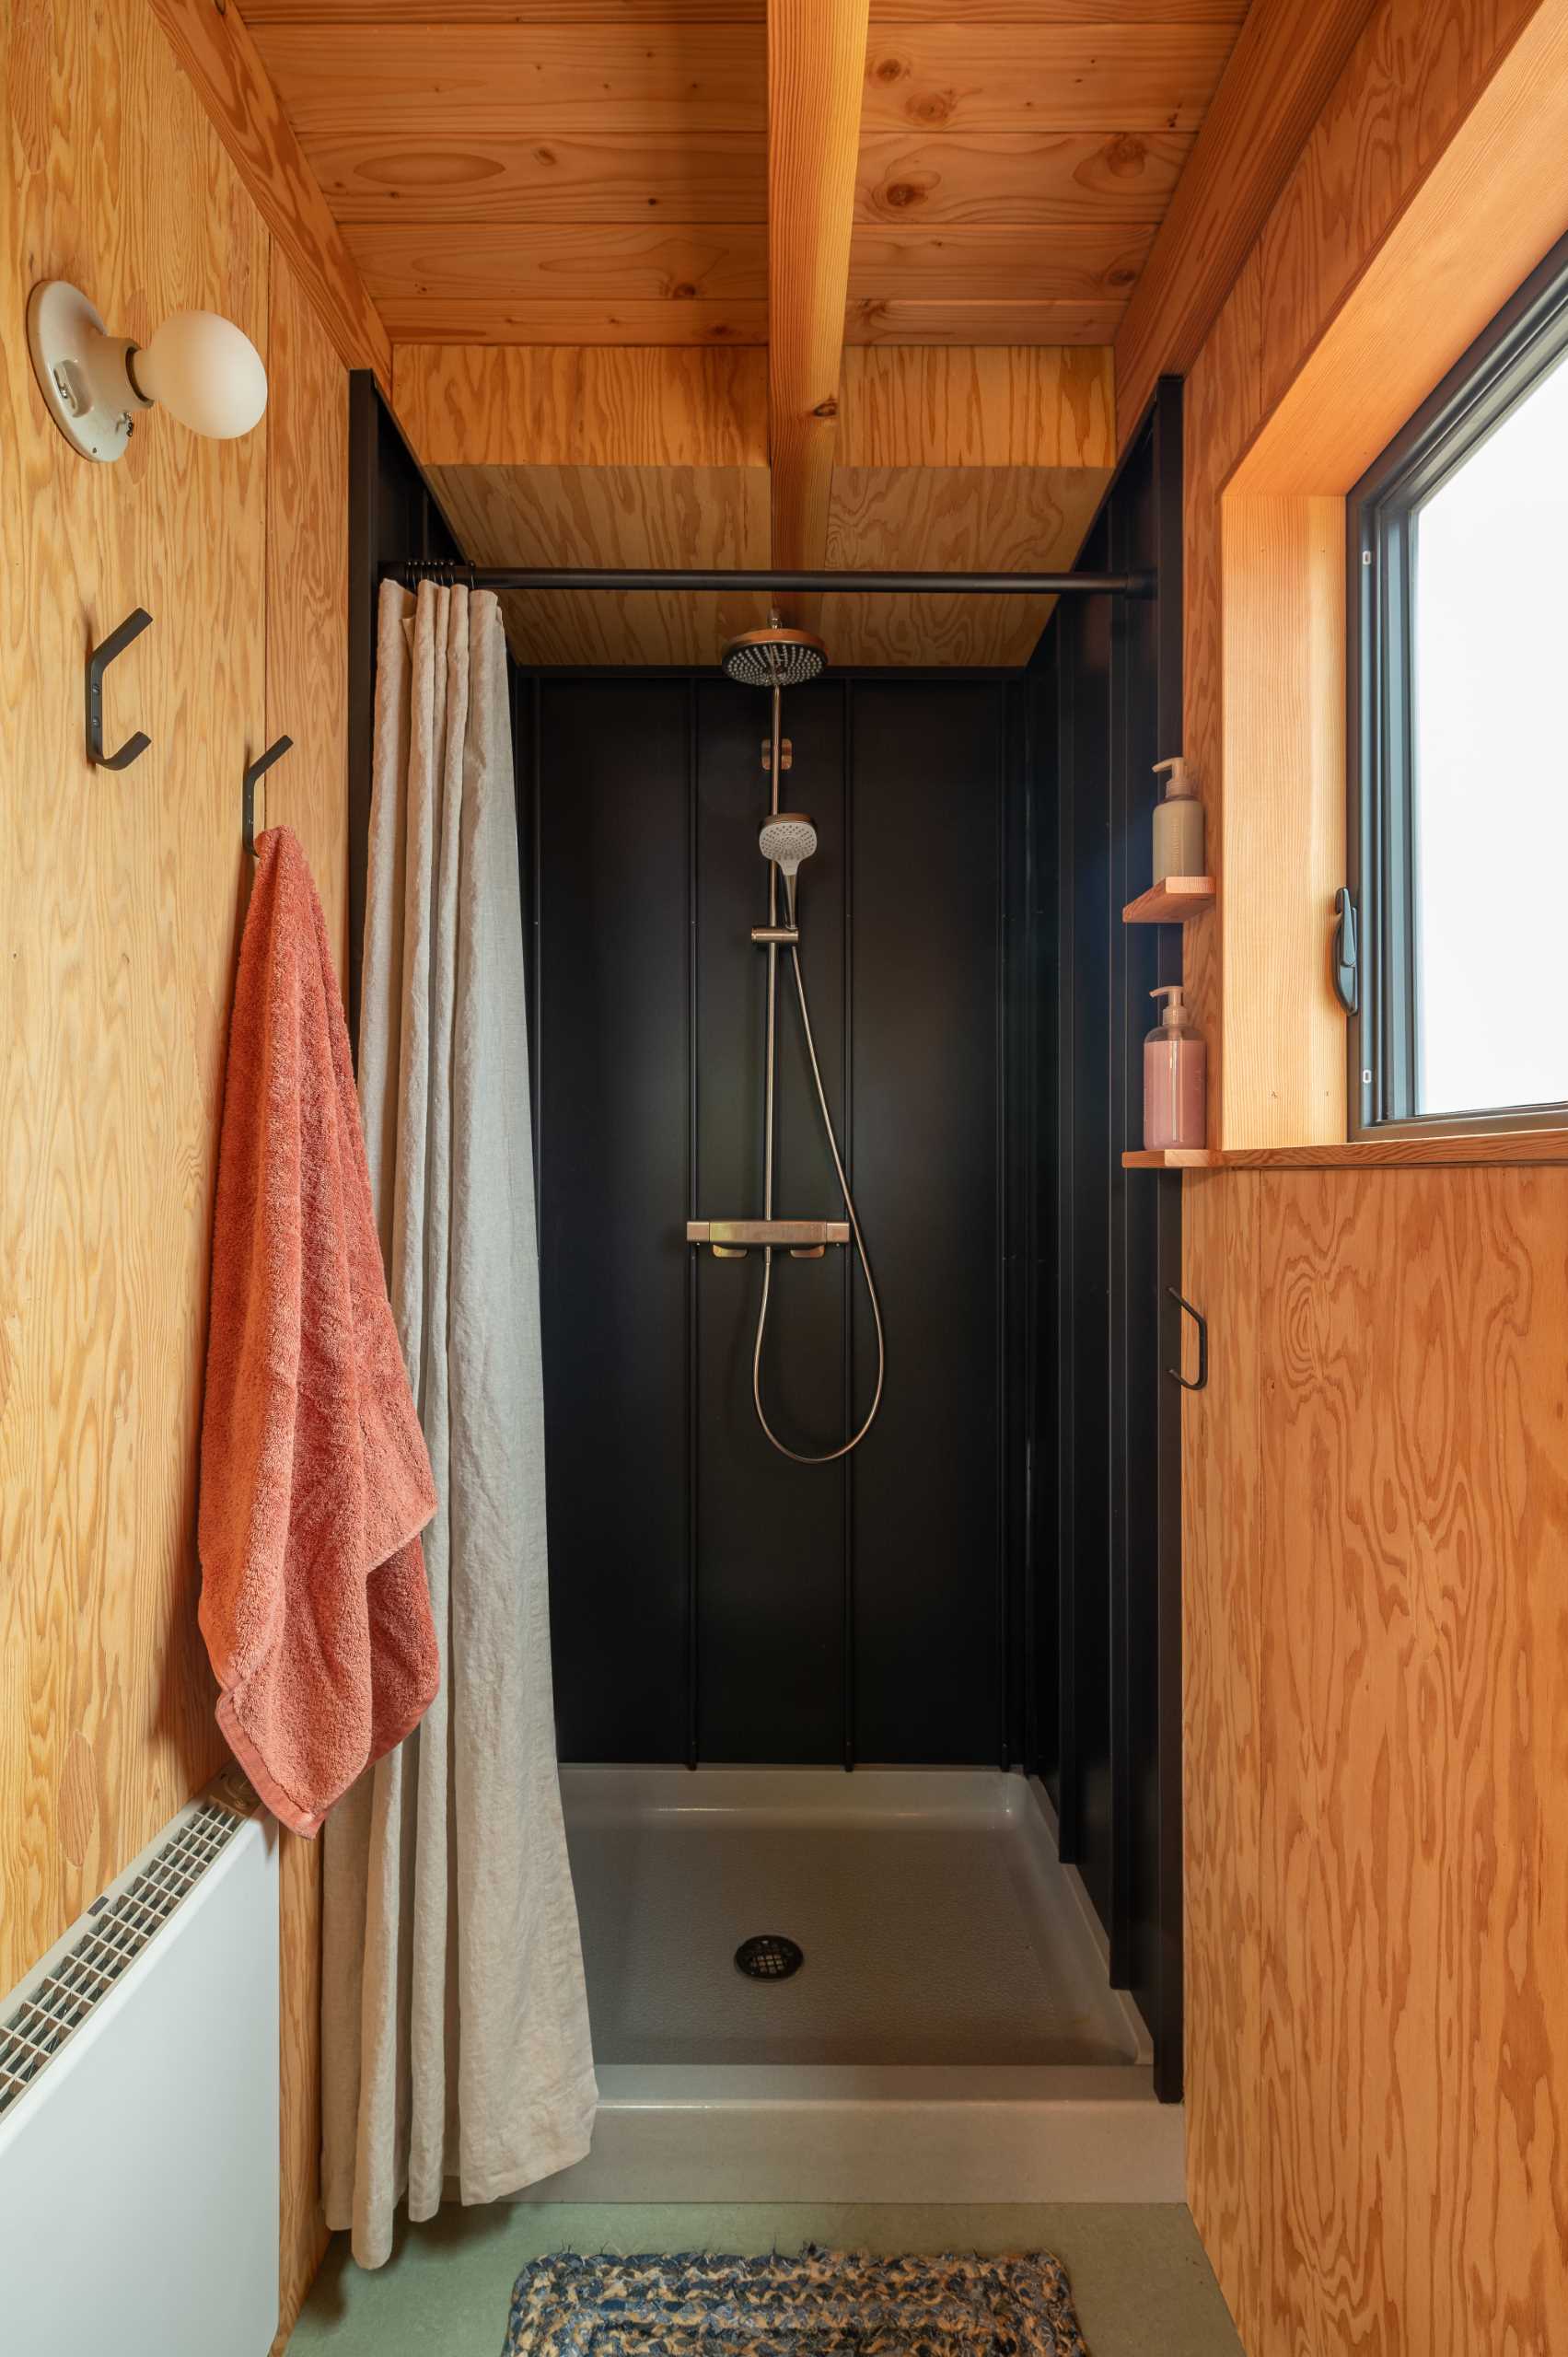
x=117 y=1930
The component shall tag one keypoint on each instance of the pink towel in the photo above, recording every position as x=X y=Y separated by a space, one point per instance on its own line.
x=315 y=1477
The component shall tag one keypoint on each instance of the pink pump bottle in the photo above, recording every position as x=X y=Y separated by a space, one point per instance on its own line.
x=1174 y=1077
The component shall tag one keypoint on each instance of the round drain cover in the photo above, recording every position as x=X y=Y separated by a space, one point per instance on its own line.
x=769 y=1957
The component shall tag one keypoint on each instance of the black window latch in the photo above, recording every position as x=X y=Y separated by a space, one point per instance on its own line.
x=1347 y=964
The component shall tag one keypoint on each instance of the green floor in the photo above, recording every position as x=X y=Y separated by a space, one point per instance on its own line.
x=1142 y=2283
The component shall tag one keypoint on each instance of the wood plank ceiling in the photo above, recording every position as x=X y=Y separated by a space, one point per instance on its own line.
x=583 y=174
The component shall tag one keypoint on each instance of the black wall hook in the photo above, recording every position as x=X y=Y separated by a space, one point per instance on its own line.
x=258 y=768
x=98 y=660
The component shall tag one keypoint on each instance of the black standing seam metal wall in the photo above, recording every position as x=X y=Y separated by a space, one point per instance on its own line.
x=709 y=1599
x=1106 y=705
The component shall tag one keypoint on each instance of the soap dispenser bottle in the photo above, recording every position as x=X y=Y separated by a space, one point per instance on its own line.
x=1174 y=1077
x=1179 y=824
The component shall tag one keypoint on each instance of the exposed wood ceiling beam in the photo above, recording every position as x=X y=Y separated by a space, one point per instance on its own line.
x=816 y=72
x=222 y=62
x=1287 y=58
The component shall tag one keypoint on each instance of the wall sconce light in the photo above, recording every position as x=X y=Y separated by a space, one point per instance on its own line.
x=202 y=367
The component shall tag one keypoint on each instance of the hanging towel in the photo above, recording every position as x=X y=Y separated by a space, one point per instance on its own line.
x=315 y=1479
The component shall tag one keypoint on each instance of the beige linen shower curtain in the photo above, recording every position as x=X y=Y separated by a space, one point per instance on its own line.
x=455 y=2034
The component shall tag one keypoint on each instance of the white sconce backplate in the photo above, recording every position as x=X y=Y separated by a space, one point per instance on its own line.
x=81 y=370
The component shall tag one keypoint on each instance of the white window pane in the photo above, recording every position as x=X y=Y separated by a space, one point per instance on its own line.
x=1490 y=748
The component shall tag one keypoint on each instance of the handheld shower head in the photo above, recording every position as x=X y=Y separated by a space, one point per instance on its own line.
x=787 y=837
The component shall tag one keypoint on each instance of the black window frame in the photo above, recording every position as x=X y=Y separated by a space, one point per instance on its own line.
x=1504 y=363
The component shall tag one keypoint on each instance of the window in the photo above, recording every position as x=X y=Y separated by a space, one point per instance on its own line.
x=1459 y=670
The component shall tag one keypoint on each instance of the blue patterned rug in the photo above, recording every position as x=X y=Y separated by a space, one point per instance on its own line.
x=824 y=2304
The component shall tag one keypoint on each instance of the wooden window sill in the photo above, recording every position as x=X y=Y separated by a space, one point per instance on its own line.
x=1499 y=1149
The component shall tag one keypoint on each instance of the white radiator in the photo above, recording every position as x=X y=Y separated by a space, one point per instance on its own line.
x=139 y=2109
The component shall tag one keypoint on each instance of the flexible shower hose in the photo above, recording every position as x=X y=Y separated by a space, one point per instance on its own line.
x=832 y=1454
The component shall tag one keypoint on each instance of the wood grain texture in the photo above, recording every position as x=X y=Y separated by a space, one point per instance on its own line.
x=1017 y=175
x=967 y=76
x=656 y=13
x=915 y=321
x=308 y=699
x=1026 y=14
x=1413 y=1150
x=473 y=406
x=218 y=53
x=559 y=320
x=816 y=67
x=932 y=518
x=122 y=898
x=1456 y=232
x=119 y=904
x=1413 y=1693
x=972 y=459
x=1080 y=261
x=587 y=13
x=1486 y=212
x=462 y=121
x=598 y=457
x=1399 y=2190
x=571 y=178
x=1284 y=563
x=1009 y=408
x=1222 y=1508
x=1222 y=404
x=1414 y=77
x=518 y=262
x=404 y=89
x=1287 y=58
x=664 y=516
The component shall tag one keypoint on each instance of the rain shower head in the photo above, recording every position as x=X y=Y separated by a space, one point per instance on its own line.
x=775 y=657
x=787 y=837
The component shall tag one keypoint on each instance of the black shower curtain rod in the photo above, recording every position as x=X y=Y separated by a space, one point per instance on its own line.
x=934 y=585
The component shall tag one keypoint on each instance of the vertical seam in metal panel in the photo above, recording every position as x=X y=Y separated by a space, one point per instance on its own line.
x=846 y=741
x=1003 y=1401
x=536 y=817
x=1023 y=785
x=1068 y=1777
x=693 y=1257
x=1119 y=1231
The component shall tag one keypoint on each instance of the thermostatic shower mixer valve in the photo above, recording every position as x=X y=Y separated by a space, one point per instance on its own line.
x=775 y=659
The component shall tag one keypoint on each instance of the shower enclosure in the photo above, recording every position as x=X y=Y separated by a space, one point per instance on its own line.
x=975 y=1611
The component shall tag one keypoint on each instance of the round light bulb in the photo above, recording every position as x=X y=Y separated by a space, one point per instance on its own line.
x=206 y=371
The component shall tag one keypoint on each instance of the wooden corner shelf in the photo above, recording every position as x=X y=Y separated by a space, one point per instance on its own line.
x=1172 y=1157
x=1178 y=898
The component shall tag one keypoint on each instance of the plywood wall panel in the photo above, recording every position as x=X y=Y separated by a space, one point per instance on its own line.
x=973 y=460
x=122 y=898
x=1414 y=1695
x=1222 y=1508
x=1411 y=79
x=308 y=790
x=1003 y=408
x=471 y=406
x=1400 y=2188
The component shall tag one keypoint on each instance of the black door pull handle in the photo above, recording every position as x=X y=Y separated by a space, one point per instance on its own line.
x=1198 y=1382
